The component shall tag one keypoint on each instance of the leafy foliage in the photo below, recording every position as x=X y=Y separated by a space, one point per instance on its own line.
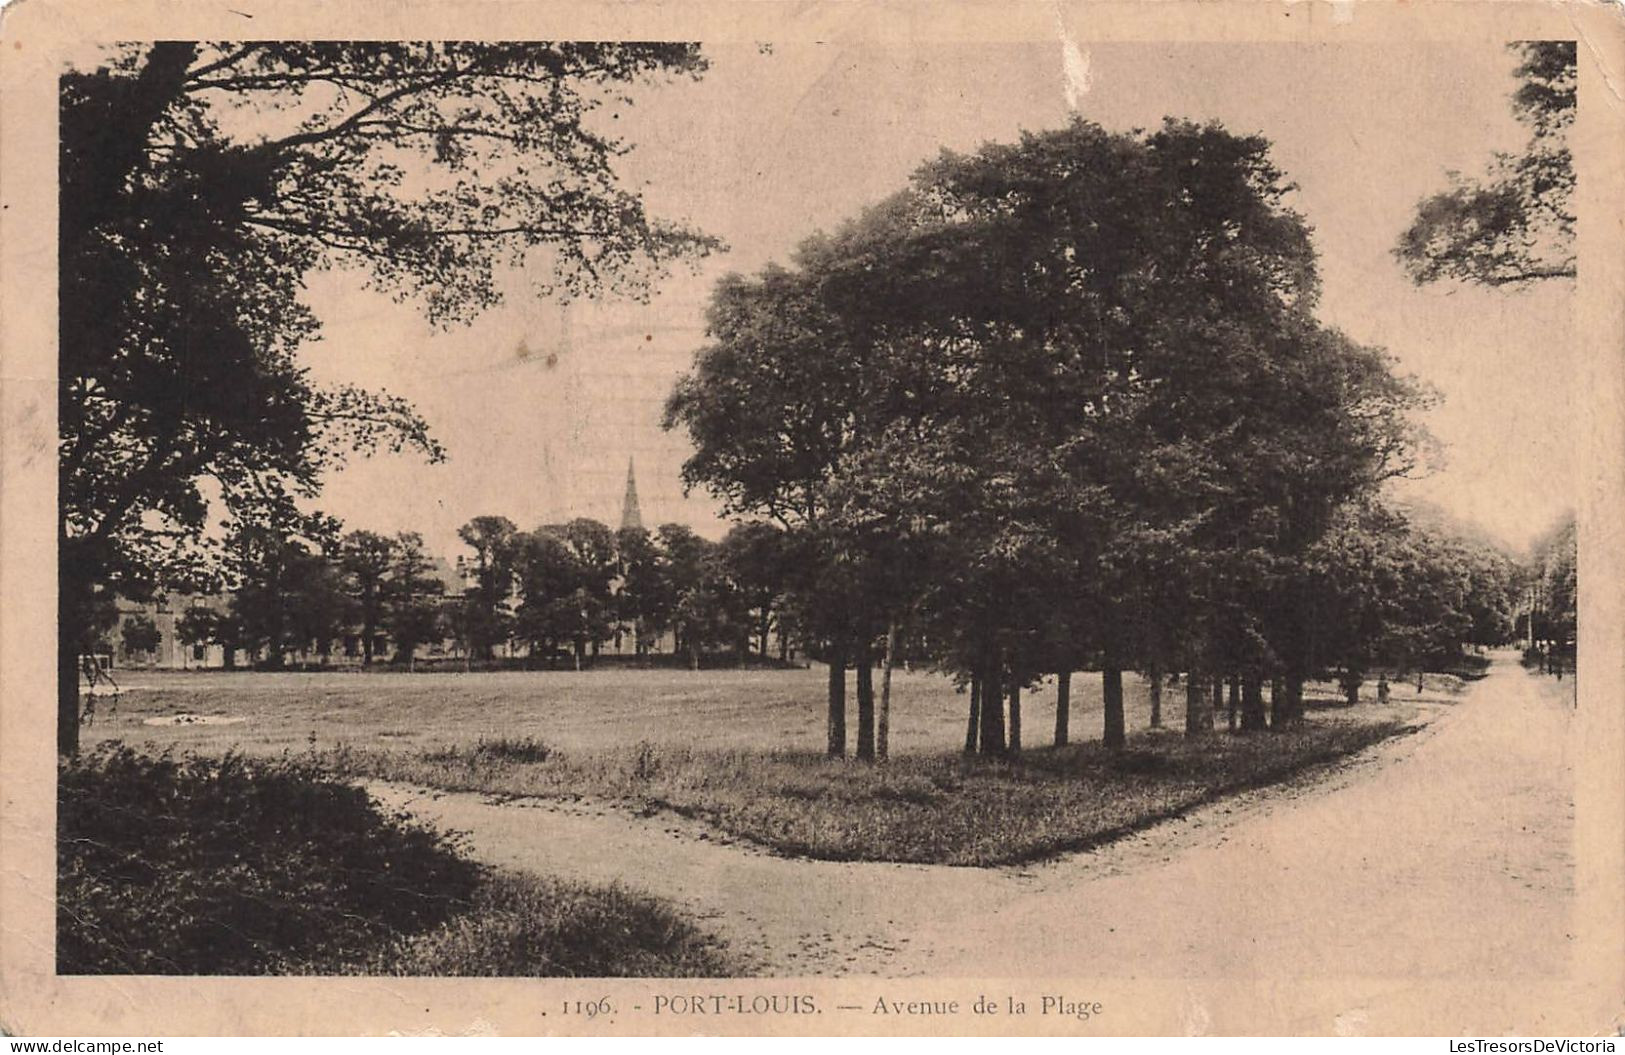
x=140 y=635
x=1057 y=401
x=1553 y=584
x=412 y=598
x=486 y=611
x=1515 y=224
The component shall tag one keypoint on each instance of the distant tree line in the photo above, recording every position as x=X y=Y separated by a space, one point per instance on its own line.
x=557 y=593
x=289 y=595
x=571 y=587
x=1550 y=603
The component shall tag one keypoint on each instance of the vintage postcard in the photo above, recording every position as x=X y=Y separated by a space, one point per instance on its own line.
x=849 y=518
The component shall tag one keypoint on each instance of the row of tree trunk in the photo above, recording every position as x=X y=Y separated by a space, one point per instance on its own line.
x=874 y=724
x=993 y=725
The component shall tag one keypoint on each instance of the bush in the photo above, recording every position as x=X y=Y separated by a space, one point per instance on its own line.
x=522 y=750
x=528 y=926
x=237 y=866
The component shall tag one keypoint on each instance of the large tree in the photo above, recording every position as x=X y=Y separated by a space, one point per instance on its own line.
x=754 y=556
x=201 y=183
x=563 y=573
x=643 y=599
x=1077 y=379
x=285 y=594
x=412 y=598
x=1514 y=224
x=488 y=609
x=367 y=558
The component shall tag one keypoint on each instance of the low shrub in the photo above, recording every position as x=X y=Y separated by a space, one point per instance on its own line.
x=522 y=750
x=233 y=866
x=240 y=866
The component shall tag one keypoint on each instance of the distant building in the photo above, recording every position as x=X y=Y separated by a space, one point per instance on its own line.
x=165 y=612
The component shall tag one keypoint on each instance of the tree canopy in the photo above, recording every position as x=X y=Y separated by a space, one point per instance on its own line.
x=1514 y=224
x=202 y=182
x=1047 y=390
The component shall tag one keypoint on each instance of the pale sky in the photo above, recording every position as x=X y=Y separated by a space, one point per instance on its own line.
x=769 y=147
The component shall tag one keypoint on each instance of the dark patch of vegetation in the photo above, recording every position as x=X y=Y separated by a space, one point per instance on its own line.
x=232 y=866
x=945 y=809
x=1469 y=666
x=530 y=926
x=524 y=750
x=242 y=866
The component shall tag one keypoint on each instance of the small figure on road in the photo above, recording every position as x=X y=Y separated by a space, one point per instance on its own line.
x=1382 y=688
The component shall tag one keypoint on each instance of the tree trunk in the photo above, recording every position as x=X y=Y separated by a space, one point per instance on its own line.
x=1351 y=688
x=1063 y=707
x=1234 y=703
x=1278 y=703
x=883 y=719
x=1116 y=731
x=1198 y=719
x=1252 y=703
x=1155 y=674
x=67 y=693
x=761 y=646
x=993 y=707
x=866 y=704
x=972 y=725
x=366 y=644
x=1015 y=716
x=836 y=725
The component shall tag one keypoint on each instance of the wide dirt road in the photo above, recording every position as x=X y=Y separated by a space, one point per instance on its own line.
x=1443 y=854
x=1448 y=855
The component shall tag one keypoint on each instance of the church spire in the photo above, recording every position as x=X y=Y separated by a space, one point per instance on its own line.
x=631 y=516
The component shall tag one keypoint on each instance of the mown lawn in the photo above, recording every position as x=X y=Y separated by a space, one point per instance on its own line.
x=943 y=809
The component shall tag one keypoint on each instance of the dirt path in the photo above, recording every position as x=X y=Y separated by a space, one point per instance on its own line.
x=1443 y=853
x=1447 y=856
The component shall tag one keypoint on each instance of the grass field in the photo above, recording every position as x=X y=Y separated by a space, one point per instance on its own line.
x=777 y=710
x=743 y=750
x=929 y=809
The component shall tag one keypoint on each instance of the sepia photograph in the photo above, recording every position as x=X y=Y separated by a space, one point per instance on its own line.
x=863 y=509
